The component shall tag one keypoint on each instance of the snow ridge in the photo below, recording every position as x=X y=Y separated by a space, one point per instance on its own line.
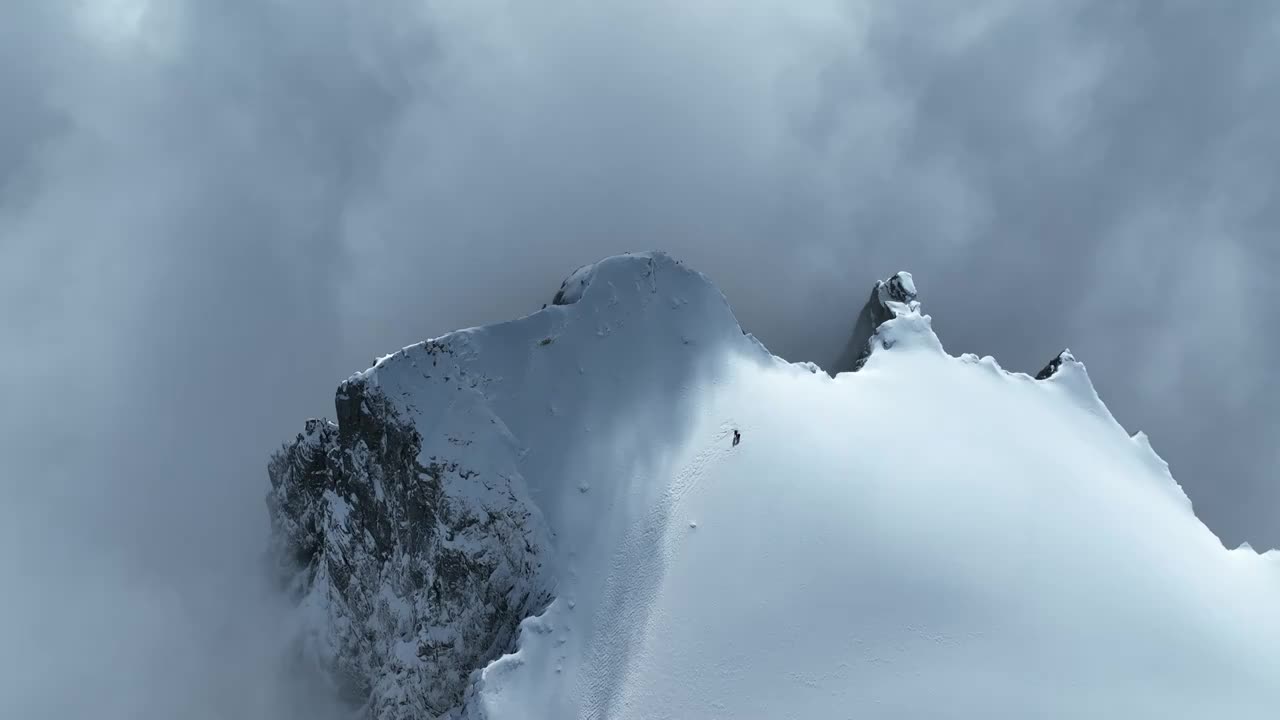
x=633 y=510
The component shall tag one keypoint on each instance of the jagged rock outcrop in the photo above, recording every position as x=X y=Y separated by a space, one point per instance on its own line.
x=415 y=558
x=893 y=298
x=1054 y=365
x=889 y=299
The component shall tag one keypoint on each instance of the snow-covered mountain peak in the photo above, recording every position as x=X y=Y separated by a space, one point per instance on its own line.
x=621 y=506
x=900 y=288
x=600 y=300
x=892 y=314
x=1049 y=370
x=419 y=527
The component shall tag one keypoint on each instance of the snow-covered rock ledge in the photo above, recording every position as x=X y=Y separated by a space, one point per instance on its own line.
x=622 y=506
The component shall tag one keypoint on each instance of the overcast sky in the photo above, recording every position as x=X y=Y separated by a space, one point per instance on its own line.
x=213 y=211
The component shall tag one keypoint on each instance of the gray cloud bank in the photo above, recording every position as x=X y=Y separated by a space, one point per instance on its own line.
x=211 y=212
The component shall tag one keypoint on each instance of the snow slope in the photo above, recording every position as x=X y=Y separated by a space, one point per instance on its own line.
x=929 y=537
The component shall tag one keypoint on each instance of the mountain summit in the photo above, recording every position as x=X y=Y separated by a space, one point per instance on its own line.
x=889 y=299
x=623 y=506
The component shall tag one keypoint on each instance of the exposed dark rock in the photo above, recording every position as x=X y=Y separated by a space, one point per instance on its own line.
x=889 y=298
x=573 y=286
x=1054 y=365
x=419 y=568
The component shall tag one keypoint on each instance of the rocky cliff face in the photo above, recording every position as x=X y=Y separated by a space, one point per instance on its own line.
x=414 y=556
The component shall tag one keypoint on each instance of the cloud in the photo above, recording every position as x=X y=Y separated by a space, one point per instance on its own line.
x=210 y=213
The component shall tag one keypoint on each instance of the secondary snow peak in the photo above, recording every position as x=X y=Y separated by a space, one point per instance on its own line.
x=1055 y=364
x=890 y=299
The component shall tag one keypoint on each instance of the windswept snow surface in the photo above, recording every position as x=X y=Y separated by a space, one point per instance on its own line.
x=930 y=537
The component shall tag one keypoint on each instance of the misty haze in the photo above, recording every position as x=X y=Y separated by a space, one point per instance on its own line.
x=480 y=360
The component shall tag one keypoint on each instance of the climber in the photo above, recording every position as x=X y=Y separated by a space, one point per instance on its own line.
x=737 y=438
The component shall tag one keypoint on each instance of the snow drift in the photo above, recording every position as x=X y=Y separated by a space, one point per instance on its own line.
x=548 y=518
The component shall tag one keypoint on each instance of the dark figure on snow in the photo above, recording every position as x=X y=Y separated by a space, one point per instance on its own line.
x=737 y=438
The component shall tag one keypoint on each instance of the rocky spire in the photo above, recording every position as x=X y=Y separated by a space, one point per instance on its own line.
x=1049 y=370
x=889 y=299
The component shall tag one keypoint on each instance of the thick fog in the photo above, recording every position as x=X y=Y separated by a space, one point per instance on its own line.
x=213 y=211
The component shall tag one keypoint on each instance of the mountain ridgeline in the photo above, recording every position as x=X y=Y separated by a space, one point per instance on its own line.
x=499 y=490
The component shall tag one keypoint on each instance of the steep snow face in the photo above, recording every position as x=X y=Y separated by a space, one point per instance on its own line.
x=726 y=535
